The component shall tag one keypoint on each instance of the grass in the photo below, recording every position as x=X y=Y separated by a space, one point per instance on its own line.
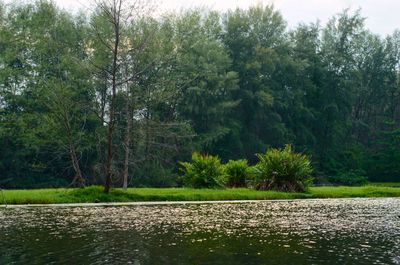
x=367 y=191
x=95 y=194
x=386 y=184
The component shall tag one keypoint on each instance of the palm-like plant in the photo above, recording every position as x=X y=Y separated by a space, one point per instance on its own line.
x=282 y=170
x=236 y=173
x=205 y=171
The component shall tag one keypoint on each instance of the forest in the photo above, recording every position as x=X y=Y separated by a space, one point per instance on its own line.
x=120 y=95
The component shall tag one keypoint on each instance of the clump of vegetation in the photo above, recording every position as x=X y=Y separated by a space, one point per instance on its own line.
x=236 y=173
x=352 y=178
x=205 y=171
x=282 y=170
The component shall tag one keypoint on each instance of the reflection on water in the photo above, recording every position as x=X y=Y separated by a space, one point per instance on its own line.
x=354 y=231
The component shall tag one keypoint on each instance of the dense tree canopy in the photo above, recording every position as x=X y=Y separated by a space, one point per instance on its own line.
x=228 y=84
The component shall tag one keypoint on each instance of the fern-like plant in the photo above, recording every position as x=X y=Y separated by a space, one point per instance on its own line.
x=282 y=170
x=236 y=173
x=205 y=171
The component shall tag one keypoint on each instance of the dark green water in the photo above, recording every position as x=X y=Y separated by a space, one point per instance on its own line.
x=356 y=231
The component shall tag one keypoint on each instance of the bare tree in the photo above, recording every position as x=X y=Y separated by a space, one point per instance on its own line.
x=128 y=135
x=118 y=15
x=141 y=41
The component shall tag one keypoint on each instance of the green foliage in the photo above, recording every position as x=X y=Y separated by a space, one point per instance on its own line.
x=205 y=171
x=230 y=84
x=352 y=178
x=282 y=170
x=236 y=173
x=154 y=175
x=255 y=39
x=383 y=163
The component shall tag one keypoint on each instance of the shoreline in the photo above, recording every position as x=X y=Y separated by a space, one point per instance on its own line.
x=94 y=195
x=167 y=203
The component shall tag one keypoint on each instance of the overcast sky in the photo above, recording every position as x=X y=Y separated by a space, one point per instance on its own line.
x=383 y=16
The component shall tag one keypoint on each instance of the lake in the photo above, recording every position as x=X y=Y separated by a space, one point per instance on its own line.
x=342 y=231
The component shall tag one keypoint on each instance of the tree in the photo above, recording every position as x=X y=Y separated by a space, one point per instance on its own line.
x=42 y=47
x=110 y=27
x=206 y=82
x=122 y=96
x=256 y=42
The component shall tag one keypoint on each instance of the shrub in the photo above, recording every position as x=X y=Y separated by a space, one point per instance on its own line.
x=236 y=173
x=352 y=178
x=282 y=170
x=205 y=171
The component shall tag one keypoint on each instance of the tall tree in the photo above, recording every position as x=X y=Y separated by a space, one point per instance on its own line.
x=256 y=41
x=206 y=82
x=110 y=27
x=41 y=51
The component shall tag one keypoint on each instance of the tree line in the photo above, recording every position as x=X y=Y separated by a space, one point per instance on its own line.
x=119 y=94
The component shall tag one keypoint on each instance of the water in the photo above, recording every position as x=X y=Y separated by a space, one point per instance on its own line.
x=345 y=231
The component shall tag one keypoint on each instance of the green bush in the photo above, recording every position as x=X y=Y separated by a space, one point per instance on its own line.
x=352 y=178
x=205 y=171
x=236 y=173
x=282 y=170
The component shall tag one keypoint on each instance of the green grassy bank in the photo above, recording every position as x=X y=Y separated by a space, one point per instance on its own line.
x=95 y=194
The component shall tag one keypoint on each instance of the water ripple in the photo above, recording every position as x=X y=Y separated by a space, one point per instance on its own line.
x=353 y=231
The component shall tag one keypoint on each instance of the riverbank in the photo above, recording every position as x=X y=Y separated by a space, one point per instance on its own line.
x=95 y=194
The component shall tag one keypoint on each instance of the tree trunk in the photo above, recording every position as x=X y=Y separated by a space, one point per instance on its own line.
x=108 y=182
x=72 y=151
x=75 y=164
x=127 y=142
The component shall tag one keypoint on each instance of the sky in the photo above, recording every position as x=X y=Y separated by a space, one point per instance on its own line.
x=382 y=15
